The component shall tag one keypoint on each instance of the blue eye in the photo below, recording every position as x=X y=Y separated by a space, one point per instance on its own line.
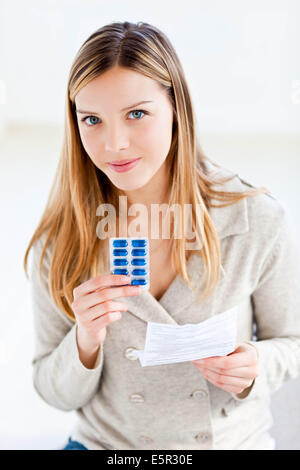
x=94 y=117
x=137 y=111
x=88 y=117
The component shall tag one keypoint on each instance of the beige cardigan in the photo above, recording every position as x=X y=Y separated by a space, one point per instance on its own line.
x=121 y=405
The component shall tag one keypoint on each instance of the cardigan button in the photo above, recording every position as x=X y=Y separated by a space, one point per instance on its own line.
x=224 y=412
x=128 y=354
x=199 y=394
x=203 y=437
x=137 y=398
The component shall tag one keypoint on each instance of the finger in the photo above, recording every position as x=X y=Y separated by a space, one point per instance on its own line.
x=227 y=362
x=88 y=301
x=115 y=292
x=243 y=372
x=104 y=320
x=102 y=309
x=225 y=380
x=103 y=280
x=108 y=316
x=96 y=297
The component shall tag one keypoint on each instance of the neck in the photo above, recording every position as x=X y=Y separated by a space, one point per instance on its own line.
x=154 y=192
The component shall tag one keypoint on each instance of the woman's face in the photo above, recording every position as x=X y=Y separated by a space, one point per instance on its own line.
x=111 y=133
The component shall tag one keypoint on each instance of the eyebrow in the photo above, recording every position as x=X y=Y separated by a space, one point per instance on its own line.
x=124 y=109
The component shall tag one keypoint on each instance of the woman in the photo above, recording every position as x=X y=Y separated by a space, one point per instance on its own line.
x=128 y=100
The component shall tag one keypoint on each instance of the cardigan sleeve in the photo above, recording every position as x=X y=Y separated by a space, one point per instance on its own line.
x=276 y=306
x=59 y=377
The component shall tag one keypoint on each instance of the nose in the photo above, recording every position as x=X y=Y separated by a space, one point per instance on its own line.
x=115 y=139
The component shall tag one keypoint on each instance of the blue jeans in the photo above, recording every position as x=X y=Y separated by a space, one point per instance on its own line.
x=74 y=445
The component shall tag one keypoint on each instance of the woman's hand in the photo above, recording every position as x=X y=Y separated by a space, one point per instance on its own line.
x=94 y=307
x=233 y=373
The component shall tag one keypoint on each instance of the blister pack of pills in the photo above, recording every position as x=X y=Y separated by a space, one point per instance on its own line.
x=130 y=256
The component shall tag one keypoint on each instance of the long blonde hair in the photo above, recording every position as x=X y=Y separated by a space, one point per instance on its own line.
x=69 y=219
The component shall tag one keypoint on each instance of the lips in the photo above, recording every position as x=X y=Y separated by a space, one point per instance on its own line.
x=123 y=162
x=125 y=165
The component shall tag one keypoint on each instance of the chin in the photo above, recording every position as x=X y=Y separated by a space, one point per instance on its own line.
x=132 y=184
x=130 y=187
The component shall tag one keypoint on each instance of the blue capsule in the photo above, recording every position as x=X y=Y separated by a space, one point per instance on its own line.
x=139 y=272
x=120 y=252
x=120 y=262
x=138 y=243
x=121 y=271
x=138 y=282
x=138 y=262
x=119 y=243
x=130 y=257
x=137 y=252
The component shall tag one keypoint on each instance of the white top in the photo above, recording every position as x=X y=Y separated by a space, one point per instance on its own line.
x=121 y=405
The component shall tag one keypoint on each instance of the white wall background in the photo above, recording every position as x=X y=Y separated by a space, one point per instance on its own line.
x=242 y=62
x=241 y=57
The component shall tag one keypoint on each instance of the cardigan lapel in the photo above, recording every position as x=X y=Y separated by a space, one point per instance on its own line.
x=230 y=220
x=177 y=297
